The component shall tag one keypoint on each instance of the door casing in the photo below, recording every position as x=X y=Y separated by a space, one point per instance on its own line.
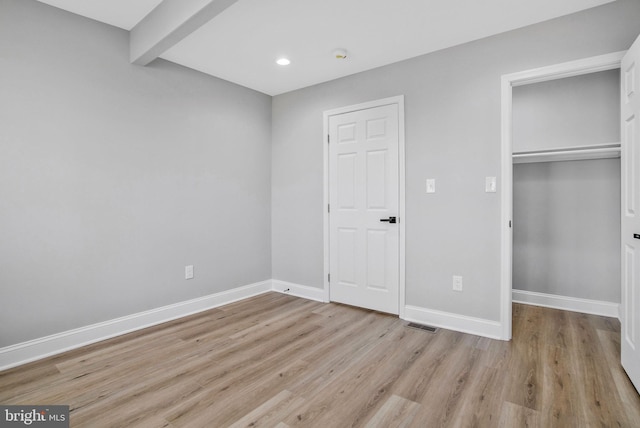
x=399 y=101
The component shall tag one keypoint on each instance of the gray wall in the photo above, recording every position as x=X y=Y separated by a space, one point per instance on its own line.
x=452 y=134
x=566 y=231
x=113 y=177
x=576 y=111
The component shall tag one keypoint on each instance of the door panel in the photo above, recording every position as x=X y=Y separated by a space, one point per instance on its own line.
x=630 y=178
x=363 y=189
x=629 y=321
x=347 y=177
x=630 y=227
x=376 y=255
x=376 y=180
x=346 y=133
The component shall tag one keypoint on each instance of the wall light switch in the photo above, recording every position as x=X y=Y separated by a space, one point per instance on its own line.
x=188 y=272
x=457 y=283
x=490 y=184
x=431 y=185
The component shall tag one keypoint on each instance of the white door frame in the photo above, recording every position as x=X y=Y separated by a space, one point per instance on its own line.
x=399 y=101
x=543 y=74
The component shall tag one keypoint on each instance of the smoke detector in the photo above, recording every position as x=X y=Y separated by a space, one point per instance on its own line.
x=340 y=54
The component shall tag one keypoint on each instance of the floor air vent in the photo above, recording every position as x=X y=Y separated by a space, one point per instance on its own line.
x=422 y=327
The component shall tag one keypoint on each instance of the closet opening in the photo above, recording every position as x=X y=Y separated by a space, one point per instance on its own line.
x=554 y=142
x=566 y=193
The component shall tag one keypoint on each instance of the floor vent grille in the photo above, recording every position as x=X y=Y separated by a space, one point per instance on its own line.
x=428 y=328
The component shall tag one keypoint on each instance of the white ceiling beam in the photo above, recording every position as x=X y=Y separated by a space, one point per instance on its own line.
x=169 y=23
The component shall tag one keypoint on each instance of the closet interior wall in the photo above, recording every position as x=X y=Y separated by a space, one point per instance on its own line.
x=566 y=230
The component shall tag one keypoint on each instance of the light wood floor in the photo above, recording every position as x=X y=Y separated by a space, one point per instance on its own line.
x=279 y=361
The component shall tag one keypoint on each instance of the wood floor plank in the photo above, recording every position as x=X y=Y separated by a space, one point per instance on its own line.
x=602 y=403
x=277 y=360
x=514 y=415
x=376 y=372
x=525 y=362
x=431 y=367
x=170 y=376
x=27 y=378
x=481 y=400
x=283 y=318
x=271 y=412
x=122 y=352
x=143 y=404
x=247 y=377
x=397 y=412
x=97 y=382
x=350 y=342
x=223 y=408
x=557 y=406
x=339 y=396
x=610 y=341
x=240 y=363
x=231 y=321
x=443 y=398
x=407 y=348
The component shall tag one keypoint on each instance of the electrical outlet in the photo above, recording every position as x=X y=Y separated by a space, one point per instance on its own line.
x=188 y=272
x=457 y=283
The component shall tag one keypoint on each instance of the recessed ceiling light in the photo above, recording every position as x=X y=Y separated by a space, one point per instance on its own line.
x=283 y=61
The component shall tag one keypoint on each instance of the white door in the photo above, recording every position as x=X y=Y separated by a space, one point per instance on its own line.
x=364 y=202
x=630 y=162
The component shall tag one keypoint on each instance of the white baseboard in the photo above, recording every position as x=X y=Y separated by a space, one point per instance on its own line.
x=574 y=304
x=304 y=291
x=22 y=353
x=451 y=321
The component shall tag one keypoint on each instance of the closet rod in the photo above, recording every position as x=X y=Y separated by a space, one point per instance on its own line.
x=604 y=151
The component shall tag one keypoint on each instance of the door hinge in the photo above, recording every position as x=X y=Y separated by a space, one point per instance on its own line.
x=328 y=138
x=328 y=208
x=509 y=223
x=328 y=277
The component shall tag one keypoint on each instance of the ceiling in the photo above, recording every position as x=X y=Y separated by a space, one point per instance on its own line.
x=242 y=43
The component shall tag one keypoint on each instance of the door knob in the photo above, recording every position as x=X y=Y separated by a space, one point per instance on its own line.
x=636 y=235
x=390 y=219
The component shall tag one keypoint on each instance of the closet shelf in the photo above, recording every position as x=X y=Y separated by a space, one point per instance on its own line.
x=604 y=151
